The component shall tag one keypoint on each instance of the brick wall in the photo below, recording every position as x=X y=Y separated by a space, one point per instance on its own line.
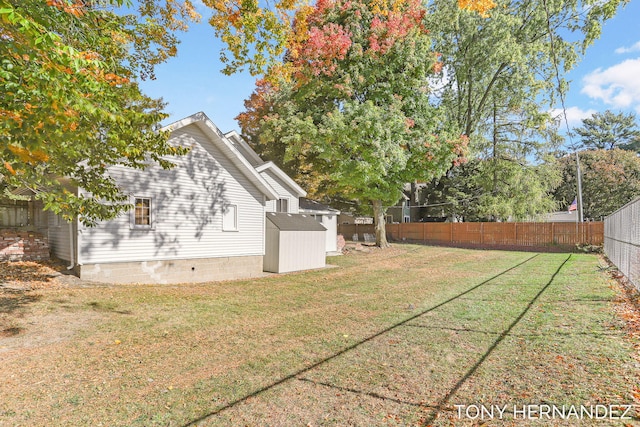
x=16 y=245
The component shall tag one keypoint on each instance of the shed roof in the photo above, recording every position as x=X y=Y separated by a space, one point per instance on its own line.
x=294 y=222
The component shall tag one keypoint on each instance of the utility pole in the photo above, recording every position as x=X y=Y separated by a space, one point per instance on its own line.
x=580 y=216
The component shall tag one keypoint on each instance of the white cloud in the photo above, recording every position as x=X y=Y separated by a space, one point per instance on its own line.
x=574 y=115
x=618 y=86
x=633 y=48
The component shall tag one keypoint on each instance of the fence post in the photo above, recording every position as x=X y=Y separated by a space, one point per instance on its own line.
x=482 y=233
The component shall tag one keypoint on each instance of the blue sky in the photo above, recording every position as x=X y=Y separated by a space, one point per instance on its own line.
x=608 y=77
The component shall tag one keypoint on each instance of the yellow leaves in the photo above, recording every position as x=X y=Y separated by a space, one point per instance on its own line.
x=27 y=156
x=11 y=115
x=9 y=168
x=482 y=7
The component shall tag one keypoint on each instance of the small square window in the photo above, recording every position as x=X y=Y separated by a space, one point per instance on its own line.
x=142 y=212
x=230 y=218
x=282 y=205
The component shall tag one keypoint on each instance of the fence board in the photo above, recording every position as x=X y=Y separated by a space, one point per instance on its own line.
x=507 y=234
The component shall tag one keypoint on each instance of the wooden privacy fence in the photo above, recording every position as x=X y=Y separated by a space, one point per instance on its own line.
x=487 y=234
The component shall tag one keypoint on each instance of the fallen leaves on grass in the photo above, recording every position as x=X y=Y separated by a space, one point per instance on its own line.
x=628 y=309
x=29 y=275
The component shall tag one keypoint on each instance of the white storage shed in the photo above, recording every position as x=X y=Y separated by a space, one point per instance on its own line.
x=326 y=216
x=293 y=242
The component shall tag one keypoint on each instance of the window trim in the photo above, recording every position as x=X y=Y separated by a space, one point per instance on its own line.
x=235 y=218
x=152 y=222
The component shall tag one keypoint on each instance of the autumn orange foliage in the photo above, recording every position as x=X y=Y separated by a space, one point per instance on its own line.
x=482 y=7
x=76 y=8
x=28 y=156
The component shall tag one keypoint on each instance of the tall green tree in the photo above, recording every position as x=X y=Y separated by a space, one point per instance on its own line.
x=500 y=76
x=609 y=130
x=71 y=105
x=610 y=179
x=509 y=60
x=357 y=104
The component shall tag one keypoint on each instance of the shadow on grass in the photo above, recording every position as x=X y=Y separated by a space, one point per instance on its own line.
x=440 y=405
x=10 y=301
x=366 y=393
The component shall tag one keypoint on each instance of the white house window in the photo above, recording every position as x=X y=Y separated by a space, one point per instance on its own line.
x=142 y=212
x=57 y=220
x=230 y=218
x=282 y=205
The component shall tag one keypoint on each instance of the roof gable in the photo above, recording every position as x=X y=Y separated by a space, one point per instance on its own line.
x=272 y=167
x=218 y=139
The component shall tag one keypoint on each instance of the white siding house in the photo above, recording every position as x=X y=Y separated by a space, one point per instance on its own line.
x=202 y=220
x=220 y=213
x=288 y=191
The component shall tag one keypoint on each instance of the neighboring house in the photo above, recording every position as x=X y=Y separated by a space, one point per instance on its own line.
x=562 y=216
x=202 y=220
x=401 y=212
x=326 y=216
x=347 y=218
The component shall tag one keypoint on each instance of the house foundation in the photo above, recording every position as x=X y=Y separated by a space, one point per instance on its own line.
x=174 y=271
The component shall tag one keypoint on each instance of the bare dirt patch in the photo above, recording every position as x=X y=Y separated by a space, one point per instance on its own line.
x=23 y=285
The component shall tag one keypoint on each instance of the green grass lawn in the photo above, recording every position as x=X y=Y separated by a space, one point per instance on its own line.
x=396 y=337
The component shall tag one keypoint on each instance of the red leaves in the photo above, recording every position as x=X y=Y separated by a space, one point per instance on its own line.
x=393 y=26
x=318 y=42
x=324 y=46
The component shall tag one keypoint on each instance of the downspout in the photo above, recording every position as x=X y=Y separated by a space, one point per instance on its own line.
x=71 y=247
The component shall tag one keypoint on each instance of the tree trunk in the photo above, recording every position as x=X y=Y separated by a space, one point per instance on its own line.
x=380 y=222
